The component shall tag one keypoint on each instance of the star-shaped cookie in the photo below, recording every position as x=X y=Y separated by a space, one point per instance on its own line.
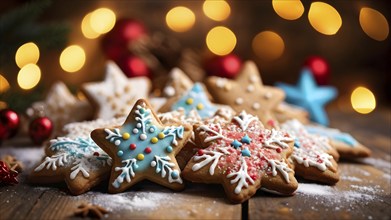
x=116 y=95
x=246 y=92
x=195 y=99
x=308 y=95
x=75 y=158
x=242 y=155
x=177 y=83
x=62 y=107
x=143 y=148
x=311 y=156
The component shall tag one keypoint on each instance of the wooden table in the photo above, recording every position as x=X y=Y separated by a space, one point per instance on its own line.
x=364 y=191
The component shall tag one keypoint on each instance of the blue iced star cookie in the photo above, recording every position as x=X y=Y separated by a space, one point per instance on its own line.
x=196 y=99
x=143 y=148
x=308 y=95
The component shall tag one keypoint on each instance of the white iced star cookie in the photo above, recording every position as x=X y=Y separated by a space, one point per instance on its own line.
x=116 y=94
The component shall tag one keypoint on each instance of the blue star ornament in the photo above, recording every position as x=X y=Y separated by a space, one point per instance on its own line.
x=309 y=95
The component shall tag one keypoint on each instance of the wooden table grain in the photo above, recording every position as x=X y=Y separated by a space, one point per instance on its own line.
x=364 y=191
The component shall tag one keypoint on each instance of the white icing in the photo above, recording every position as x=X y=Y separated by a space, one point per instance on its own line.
x=239 y=101
x=256 y=106
x=80 y=166
x=53 y=161
x=276 y=137
x=207 y=157
x=280 y=166
x=162 y=164
x=320 y=161
x=217 y=134
x=169 y=91
x=220 y=82
x=241 y=177
x=244 y=120
x=126 y=172
x=268 y=95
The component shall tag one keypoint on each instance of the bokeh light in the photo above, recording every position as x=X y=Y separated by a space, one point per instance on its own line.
x=72 y=58
x=180 y=19
x=29 y=76
x=374 y=24
x=363 y=100
x=86 y=28
x=288 y=9
x=221 y=40
x=217 y=10
x=27 y=53
x=268 y=45
x=4 y=84
x=324 y=18
x=102 y=20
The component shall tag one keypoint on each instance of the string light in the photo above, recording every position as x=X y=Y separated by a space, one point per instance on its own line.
x=29 y=76
x=324 y=18
x=86 y=28
x=374 y=24
x=221 y=40
x=216 y=10
x=268 y=45
x=72 y=58
x=289 y=10
x=102 y=20
x=27 y=53
x=4 y=85
x=180 y=19
x=363 y=100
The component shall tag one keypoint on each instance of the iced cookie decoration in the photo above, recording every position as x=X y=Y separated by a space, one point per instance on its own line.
x=310 y=156
x=116 y=94
x=143 y=148
x=75 y=158
x=247 y=92
x=284 y=112
x=308 y=95
x=62 y=107
x=242 y=155
x=195 y=99
x=346 y=145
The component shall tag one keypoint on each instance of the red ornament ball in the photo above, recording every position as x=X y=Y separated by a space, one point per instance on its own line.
x=133 y=66
x=319 y=68
x=40 y=129
x=9 y=123
x=227 y=66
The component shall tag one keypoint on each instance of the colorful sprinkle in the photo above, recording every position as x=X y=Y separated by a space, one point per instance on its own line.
x=143 y=137
x=200 y=152
x=126 y=136
x=140 y=156
x=120 y=153
x=246 y=139
x=132 y=146
x=278 y=149
x=148 y=150
x=169 y=149
x=161 y=135
x=135 y=131
x=200 y=106
x=154 y=140
x=246 y=152
x=117 y=142
x=96 y=154
x=236 y=144
x=151 y=130
x=153 y=163
x=189 y=101
x=175 y=174
x=138 y=125
x=141 y=110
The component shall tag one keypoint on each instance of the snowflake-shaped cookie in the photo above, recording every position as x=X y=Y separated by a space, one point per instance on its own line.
x=75 y=158
x=116 y=95
x=143 y=148
x=311 y=157
x=241 y=155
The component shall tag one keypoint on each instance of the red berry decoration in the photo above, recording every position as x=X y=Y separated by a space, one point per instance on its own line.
x=319 y=68
x=40 y=129
x=7 y=176
x=133 y=66
x=227 y=66
x=9 y=123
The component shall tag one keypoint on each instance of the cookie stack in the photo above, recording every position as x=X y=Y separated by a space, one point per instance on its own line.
x=235 y=132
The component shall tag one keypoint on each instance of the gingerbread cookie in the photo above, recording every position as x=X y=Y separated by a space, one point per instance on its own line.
x=285 y=112
x=75 y=158
x=177 y=83
x=116 y=95
x=247 y=92
x=310 y=157
x=62 y=107
x=195 y=99
x=143 y=148
x=242 y=156
x=346 y=145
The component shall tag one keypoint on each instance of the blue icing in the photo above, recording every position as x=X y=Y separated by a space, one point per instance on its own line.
x=246 y=152
x=246 y=139
x=333 y=134
x=198 y=97
x=236 y=144
x=297 y=143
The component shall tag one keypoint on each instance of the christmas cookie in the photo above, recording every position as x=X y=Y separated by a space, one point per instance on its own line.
x=177 y=83
x=310 y=157
x=284 y=112
x=61 y=107
x=143 y=148
x=242 y=156
x=247 y=92
x=346 y=145
x=75 y=158
x=115 y=96
x=194 y=99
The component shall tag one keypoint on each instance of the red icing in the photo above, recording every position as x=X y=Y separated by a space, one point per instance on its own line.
x=132 y=146
x=148 y=150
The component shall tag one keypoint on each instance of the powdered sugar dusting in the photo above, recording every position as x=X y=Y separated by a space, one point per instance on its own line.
x=351 y=178
x=379 y=163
